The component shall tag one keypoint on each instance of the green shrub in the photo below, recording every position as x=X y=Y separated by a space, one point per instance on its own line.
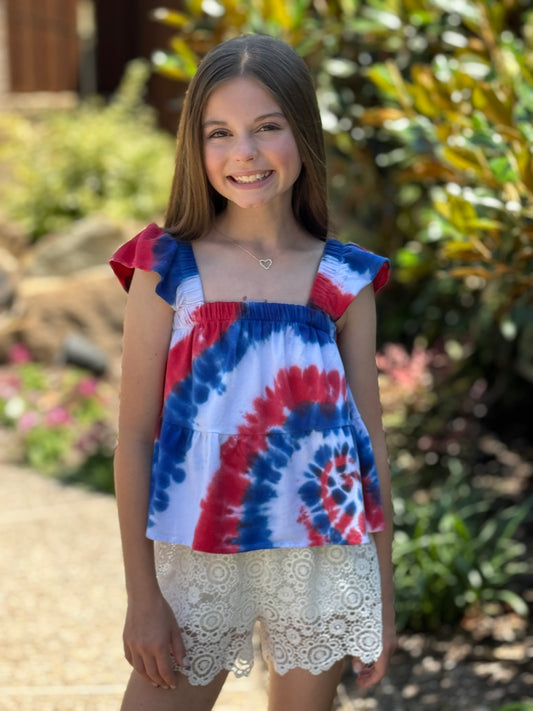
x=415 y=173
x=451 y=551
x=96 y=158
x=456 y=543
x=427 y=107
x=456 y=134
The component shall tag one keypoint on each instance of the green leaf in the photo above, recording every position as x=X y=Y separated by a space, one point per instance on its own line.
x=279 y=12
x=364 y=26
x=453 y=522
x=485 y=224
x=169 y=17
x=349 y=7
x=382 y=78
x=499 y=111
x=463 y=160
x=188 y=60
x=339 y=67
x=503 y=171
x=466 y=9
x=514 y=601
x=386 y=19
x=406 y=259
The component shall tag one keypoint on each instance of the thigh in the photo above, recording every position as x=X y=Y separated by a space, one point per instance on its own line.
x=300 y=690
x=319 y=605
x=142 y=696
x=212 y=606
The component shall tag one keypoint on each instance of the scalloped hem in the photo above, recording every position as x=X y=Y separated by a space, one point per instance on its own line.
x=314 y=607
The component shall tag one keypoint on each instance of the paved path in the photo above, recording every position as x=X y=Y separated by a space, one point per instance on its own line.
x=62 y=603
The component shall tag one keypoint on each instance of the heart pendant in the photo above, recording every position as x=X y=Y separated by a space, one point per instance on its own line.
x=265 y=263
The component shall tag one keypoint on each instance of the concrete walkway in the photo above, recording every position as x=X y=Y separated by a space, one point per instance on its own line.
x=62 y=603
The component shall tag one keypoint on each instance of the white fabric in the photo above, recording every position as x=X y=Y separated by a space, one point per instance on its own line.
x=314 y=605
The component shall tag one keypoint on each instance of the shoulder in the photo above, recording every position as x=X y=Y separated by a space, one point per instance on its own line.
x=157 y=251
x=360 y=265
x=144 y=251
x=345 y=270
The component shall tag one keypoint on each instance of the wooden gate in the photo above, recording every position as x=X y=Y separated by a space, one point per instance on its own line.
x=43 y=45
x=45 y=53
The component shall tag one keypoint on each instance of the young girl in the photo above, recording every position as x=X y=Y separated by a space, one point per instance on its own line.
x=251 y=472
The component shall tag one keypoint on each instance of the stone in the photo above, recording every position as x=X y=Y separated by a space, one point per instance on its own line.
x=90 y=304
x=9 y=274
x=13 y=238
x=87 y=243
x=83 y=353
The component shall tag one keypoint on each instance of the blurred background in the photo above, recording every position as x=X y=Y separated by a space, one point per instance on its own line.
x=427 y=107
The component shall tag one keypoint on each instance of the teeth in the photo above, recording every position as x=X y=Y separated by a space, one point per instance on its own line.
x=251 y=178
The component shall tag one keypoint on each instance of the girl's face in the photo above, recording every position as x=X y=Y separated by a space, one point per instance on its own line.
x=250 y=152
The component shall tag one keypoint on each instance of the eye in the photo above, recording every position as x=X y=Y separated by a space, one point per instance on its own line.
x=270 y=127
x=218 y=133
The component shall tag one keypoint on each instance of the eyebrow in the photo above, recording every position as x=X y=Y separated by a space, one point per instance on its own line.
x=272 y=114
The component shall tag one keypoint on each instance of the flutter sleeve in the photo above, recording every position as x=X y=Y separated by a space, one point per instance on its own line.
x=152 y=250
x=363 y=267
x=345 y=270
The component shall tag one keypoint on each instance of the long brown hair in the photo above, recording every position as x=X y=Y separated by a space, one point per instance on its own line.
x=193 y=202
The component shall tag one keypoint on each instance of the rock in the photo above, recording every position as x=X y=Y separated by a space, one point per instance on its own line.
x=89 y=304
x=61 y=289
x=80 y=351
x=87 y=243
x=9 y=272
x=13 y=238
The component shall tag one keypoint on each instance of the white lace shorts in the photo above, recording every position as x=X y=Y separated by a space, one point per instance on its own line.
x=314 y=606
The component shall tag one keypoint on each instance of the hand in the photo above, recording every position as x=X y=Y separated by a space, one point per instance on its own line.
x=152 y=642
x=370 y=674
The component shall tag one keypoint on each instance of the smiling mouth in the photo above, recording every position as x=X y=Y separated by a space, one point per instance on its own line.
x=247 y=179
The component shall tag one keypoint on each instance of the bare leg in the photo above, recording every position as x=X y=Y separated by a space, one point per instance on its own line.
x=299 y=690
x=142 y=696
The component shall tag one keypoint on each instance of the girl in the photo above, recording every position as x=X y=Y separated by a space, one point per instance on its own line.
x=251 y=472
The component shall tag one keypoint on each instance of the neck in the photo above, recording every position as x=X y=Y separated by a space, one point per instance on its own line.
x=267 y=228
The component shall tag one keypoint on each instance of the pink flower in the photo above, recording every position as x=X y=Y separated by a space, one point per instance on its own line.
x=57 y=416
x=27 y=421
x=19 y=354
x=9 y=385
x=409 y=371
x=87 y=387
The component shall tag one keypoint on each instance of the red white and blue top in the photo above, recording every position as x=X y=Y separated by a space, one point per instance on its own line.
x=260 y=444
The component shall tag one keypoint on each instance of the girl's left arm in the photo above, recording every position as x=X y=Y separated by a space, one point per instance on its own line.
x=357 y=345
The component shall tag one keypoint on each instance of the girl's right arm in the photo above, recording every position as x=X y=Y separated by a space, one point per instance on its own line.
x=150 y=631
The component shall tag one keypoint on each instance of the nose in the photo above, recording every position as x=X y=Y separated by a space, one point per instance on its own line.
x=245 y=148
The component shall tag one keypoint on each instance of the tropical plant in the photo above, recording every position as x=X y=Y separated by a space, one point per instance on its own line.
x=428 y=107
x=461 y=130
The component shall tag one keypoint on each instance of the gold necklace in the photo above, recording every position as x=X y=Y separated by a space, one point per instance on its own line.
x=266 y=263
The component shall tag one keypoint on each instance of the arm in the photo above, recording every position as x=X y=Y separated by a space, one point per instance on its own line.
x=356 y=340
x=150 y=630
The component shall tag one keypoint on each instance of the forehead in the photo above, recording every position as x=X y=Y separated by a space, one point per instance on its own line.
x=240 y=96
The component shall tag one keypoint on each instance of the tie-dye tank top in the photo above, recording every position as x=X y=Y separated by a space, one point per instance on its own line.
x=260 y=443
